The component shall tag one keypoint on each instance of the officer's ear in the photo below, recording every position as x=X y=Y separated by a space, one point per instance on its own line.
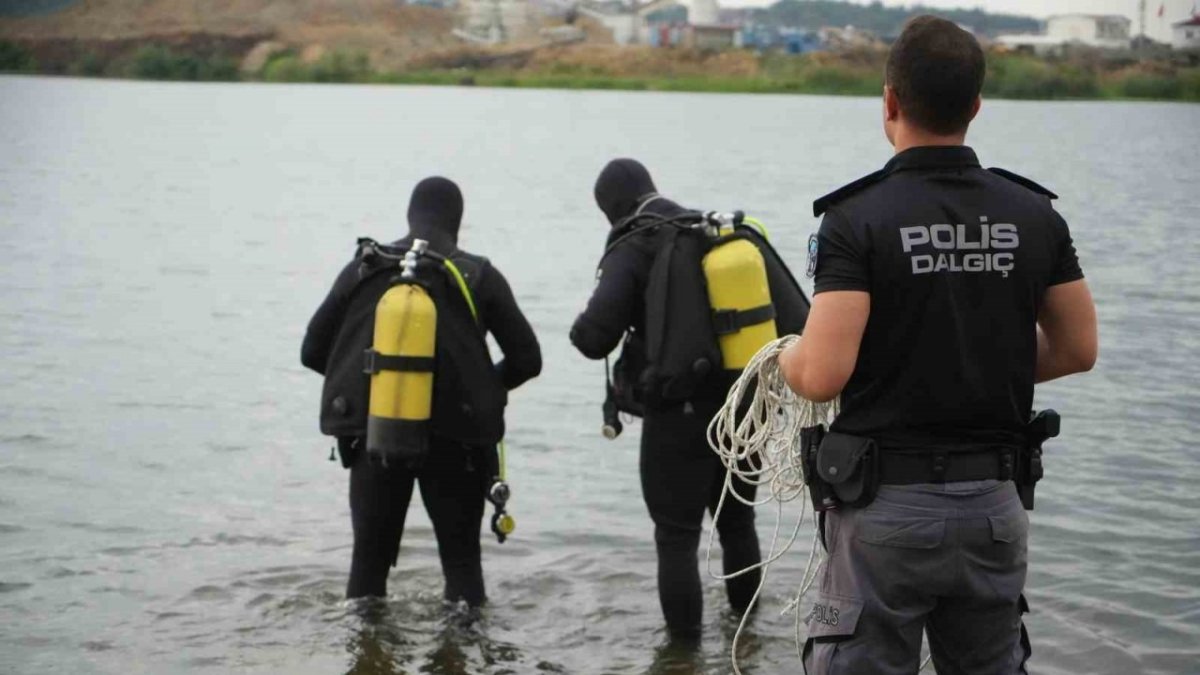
x=976 y=106
x=891 y=114
x=891 y=104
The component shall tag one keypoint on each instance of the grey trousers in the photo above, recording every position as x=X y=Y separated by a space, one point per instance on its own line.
x=947 y=559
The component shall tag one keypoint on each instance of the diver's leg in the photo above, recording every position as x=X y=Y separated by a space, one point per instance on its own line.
x=378 y=505
x=454 y=483
x=675 y=482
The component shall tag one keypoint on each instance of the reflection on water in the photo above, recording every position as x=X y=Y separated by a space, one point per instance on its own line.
x=166 y=503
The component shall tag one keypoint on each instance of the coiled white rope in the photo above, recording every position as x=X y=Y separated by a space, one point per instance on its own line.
x=761 y=447
x=756 y=433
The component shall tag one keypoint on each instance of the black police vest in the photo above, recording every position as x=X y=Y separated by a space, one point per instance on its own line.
x=468 y=395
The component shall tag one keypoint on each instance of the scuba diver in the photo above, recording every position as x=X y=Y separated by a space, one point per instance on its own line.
x=658 y=287
x=411 y=392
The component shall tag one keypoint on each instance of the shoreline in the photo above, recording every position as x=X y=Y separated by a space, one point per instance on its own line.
x=1011 y=76
x=537 y=84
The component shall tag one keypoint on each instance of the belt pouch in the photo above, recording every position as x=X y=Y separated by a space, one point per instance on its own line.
x=850 y=465
x=819 y=491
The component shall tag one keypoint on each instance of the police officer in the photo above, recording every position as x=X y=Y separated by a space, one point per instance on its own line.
x=944 y=291
x=457 y=471
x=680 y=476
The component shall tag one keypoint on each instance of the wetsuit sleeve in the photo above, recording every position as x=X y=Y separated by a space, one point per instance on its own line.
x=1066 y=262
x=842 y=263
x=522 y=354
x=324 y=325
x=610 y=311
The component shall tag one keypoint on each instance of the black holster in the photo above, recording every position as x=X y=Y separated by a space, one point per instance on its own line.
x=839 y=469
x=1042 y=426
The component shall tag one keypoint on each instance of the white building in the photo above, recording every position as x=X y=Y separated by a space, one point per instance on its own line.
x=496 y=21
x=704 y=13
x=1187 y=34
x=1093 y=30
x=628 y=26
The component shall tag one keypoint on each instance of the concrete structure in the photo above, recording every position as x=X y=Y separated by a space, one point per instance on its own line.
x=1186 y=34
x=704 y=13
x=496 y=21
x=627 y=23
x=665 y=23
x=1092 y=30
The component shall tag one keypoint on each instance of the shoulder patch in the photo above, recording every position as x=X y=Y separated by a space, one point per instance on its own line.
x=822 y=205
x=1023 y=182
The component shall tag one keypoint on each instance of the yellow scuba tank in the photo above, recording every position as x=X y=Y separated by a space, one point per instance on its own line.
x=740 y=298
x=401 y=365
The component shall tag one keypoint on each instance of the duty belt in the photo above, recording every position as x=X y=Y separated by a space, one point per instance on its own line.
x=945 y=467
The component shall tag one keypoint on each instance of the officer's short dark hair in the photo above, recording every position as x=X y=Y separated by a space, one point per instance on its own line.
x=936 y=70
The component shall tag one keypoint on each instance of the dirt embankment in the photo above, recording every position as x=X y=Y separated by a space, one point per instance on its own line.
x=388 y=32
x=596 y=59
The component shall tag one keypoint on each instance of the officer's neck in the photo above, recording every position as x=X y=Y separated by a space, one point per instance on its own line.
x=907 y=136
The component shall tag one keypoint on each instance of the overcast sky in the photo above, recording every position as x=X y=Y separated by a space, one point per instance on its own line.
x=1174 y=10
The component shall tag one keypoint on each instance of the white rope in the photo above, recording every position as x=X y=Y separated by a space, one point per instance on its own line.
x=761 y=447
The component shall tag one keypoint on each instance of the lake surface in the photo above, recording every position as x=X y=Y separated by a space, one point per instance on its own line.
x=166 y=501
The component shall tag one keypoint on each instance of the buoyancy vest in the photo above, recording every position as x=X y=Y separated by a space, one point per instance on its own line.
x=681 y=355
x=468 y=397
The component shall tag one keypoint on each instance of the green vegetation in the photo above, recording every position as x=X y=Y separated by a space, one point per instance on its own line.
x=16 y=59
x=330 y=67
x=1024 y=77
x=1009 y=77
x=156 y=62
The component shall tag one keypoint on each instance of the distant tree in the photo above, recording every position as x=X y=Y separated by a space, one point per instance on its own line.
x=15 y=59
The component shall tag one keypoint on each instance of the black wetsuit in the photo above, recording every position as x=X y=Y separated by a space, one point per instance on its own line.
x=455 y=477
x=681 y=477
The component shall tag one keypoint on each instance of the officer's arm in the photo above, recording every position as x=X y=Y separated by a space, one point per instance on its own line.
x=1067 y=338
x=819 y=366
x=324 y=325
x=609 y=313
x=522 y=354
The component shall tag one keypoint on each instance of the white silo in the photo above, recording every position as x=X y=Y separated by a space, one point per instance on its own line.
x=704 y=13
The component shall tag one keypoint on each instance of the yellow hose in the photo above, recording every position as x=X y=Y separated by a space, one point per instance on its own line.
x=750 y=220
x=462 y=285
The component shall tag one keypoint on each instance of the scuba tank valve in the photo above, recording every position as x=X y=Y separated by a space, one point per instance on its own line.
x=409 y=264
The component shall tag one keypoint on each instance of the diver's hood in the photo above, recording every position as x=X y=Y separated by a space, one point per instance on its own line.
x=435 y=212
x=621 y=187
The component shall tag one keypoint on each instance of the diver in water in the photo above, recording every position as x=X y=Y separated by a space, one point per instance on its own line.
x=681 y=477
x=943 y=292
x=457 y=462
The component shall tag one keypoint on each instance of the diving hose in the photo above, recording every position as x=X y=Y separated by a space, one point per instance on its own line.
x=761 y=447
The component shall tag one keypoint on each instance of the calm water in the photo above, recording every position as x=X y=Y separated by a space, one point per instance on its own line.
x=166 y=503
